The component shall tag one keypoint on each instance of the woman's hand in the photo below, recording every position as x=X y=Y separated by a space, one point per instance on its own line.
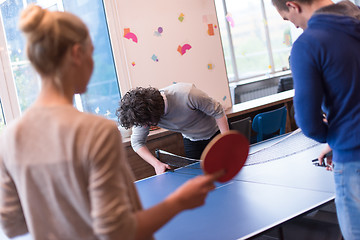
x=193 y=193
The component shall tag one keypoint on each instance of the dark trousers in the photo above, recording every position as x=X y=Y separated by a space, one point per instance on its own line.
x=194 y=149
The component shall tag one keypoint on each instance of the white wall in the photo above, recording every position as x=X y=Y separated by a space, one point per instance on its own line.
x=143 y=18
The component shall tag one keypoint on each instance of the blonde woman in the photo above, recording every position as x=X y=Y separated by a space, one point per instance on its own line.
x=63 y=173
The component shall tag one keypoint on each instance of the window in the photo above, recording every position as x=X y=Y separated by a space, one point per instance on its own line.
x=256 y=40
x=25 y=78
x=281 y=34
x=2 y=118
x=103 y=91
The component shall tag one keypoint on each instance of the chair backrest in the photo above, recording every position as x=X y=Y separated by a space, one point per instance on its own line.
x=243 y=126
x=285 y=83
x=269 y=122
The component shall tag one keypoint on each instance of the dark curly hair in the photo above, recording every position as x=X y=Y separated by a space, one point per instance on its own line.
x=140 y=107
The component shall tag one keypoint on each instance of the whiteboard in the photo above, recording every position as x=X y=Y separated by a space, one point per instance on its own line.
x=170 y=41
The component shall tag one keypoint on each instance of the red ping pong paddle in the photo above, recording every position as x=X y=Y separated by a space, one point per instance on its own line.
x=226 y=151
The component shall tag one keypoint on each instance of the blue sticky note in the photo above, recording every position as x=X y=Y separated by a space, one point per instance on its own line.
x=154 y=57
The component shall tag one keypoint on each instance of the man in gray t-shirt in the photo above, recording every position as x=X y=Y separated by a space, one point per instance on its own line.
x=180 y=107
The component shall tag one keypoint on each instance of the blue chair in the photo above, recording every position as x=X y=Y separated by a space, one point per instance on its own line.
x=267 y=124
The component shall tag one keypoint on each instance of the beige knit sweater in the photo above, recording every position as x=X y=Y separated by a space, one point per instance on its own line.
x=63 y=175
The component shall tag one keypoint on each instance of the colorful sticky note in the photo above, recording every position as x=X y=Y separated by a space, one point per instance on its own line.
x=182 y=49
x=210 y=66
x=181 y=17
x=210 y=30
x=129 y=35
x=126 y=30
x=158 y=32
x=230 y=19
x=154 y=57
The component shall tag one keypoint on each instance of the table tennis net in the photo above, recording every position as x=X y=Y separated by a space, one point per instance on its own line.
x=294 y=143
x=173 y=160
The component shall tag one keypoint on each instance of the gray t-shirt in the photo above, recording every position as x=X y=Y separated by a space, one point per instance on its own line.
x=189 y=111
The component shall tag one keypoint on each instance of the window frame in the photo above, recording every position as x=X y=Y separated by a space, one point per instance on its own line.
x=8 y=94
x=117 y=45
x=238 y=80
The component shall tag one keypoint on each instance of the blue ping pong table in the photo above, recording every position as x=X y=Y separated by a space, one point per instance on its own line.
x=262 y=196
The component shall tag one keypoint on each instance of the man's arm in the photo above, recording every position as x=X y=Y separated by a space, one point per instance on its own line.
x=138 y=141
x=309 y=93
x=145 y=154
x=223 y=124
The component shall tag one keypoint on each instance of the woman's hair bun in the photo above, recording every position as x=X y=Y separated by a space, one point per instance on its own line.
x=49 y=36
x=31 y=18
